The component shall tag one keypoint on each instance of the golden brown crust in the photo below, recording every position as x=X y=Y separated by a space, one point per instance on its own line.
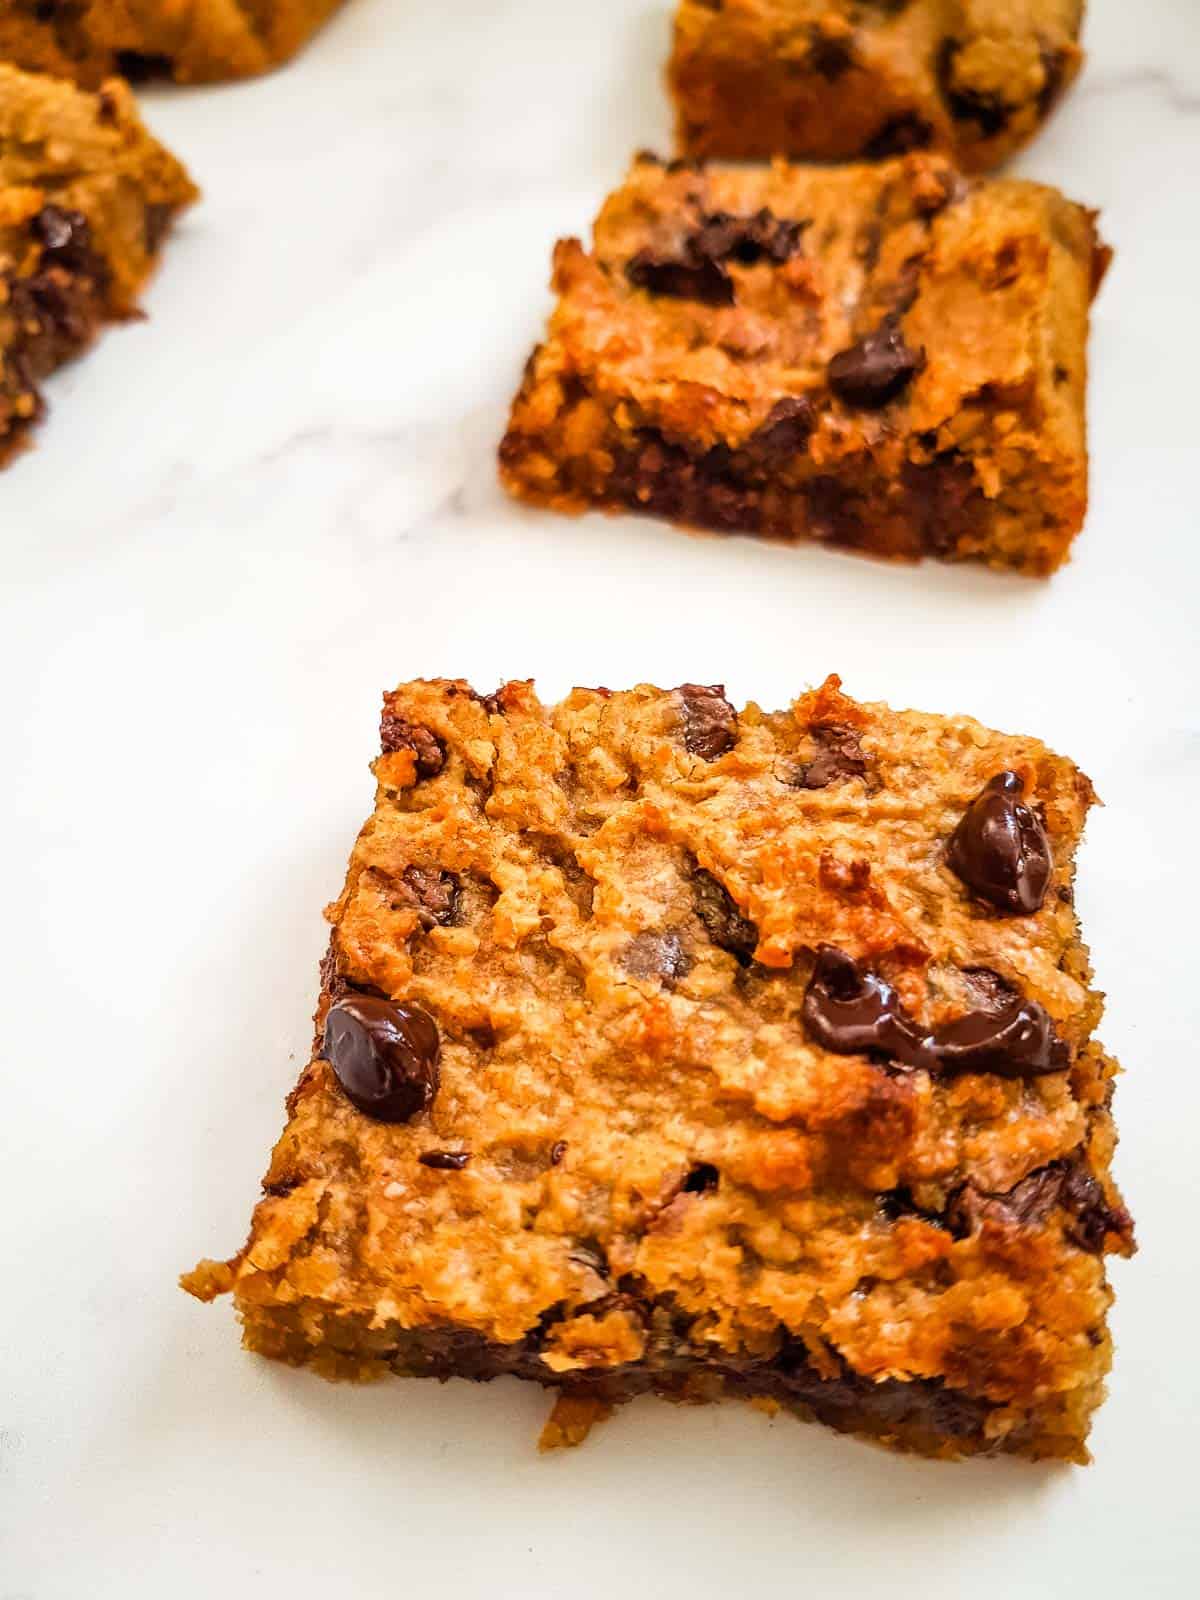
x=198 y=41
x=658 y=394
x=672 y=1184
x=87 y=197
x=829 y=80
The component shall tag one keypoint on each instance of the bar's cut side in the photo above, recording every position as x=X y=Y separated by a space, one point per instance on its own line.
x=666 y=1047
x=885 y=357
x=831 y=80
x=198 y=41
x=87 y=198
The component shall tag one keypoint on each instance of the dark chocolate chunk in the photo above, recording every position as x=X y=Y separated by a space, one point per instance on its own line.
x=1000 y=849
x=988 y=112
x=1016 y=1041
x=839 y=758
x=436 y=895
x=723 y=922
x=66 y=240
x=1065 y=1183
x=710 y=725
x=445 y=1160
x=656 y=955
x=1083 y=1196
x=853 y=1011
x=786 y=431
x=703 y=1177
x=899 y=135
x=384 y=1054
x=696 y=269
x=680 y=279
x=396 y=733
x=829 y=55
x=138 y=66
x=876 y=369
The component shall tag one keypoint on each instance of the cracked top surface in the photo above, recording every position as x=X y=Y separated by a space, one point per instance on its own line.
x=612 y=908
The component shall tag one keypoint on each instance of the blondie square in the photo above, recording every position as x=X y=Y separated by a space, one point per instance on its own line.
x=87 y=197
x=889 y=357
x=665 y=1047
x=193 y=41
x=829 y=80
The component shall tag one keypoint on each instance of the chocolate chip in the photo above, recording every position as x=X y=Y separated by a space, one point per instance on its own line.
x=876 y=369
x=705 y=281
x=725 y=925
x=696 y=268
x=397 y=733
x=445 y=1160
x=899 y=135
x=850 y=1010
x=138 y=66
x=1016 y=1041
x=384 y=1054
x=656 y=955
x=701 y=1178
x=1083 y=1196
x=710 y=725
x=65 y=237
x=839 y=758
x=829 y=55
x=436 y=895
x=1000 y=849
x=785 y=432
x=557 y=1151
x=1065 y=1183
x=988 y=112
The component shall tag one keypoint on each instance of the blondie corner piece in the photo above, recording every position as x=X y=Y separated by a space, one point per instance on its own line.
x=887 y=357
x=199 y=41
x=831 y=80
x=87 y=198
x=665 y=1047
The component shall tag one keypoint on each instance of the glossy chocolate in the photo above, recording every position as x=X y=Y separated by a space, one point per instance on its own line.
x=384 y=1055
x=1000 y=849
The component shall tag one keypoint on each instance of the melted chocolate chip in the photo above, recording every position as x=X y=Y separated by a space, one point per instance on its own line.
x=656 y=955
x=876 y=369
x=829 y=56
x=436 y=895
x=697 y=268
x=988 y=112
x=785 y=432
x=1000 y=849
x=701 y=1179
x=723 y=922
x=396 y=733
x=445 y=1160
x=710 y=725
x=66 y=239
x=1064 y=1183
x=839 y=758
x=384 y=1054
x=557 y=1151
x=853 y=1011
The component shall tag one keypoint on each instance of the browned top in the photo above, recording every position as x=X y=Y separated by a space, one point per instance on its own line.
x=611 y=908
x=192 y=41
x=827 y=79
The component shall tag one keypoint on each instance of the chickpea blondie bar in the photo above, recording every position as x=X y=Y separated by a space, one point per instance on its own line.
x=192 y=41
x=665 y=1047
x=888 y=357
x=829 y=80
x=87 y=197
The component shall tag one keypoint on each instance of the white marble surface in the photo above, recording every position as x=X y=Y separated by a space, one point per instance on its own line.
x=277 y=495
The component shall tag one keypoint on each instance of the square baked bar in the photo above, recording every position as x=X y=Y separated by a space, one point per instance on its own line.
x=828 y=80
x=667 y=1047
x=87 y=197
x=888 y=357
x=193 y=41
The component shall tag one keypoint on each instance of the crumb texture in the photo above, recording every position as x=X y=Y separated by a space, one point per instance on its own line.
x=616 y=909
x=87 y=197
x=888 y=357
x=830 y=80
x=193 y=41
